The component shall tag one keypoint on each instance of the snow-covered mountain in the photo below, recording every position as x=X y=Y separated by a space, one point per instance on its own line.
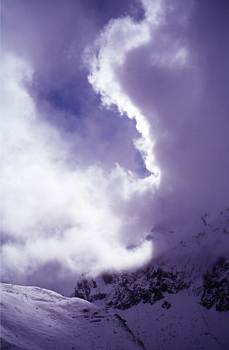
x=168 y=310
x=37 y=319
x=174 y=303
x=179 y=301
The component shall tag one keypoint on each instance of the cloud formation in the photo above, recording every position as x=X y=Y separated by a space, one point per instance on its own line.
x=181 y=88
x=154 y=71
x=120 y=37
x=53 y=211
x=87 y=170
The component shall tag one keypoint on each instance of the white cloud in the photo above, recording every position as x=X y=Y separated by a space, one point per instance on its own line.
x=109 y=55
x=119 y=37
x=50 y=210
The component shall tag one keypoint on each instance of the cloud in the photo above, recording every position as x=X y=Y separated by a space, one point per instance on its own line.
x=177 y=81
x=154 y=73
x=84 y=181
x=111 y=73
x=56 y=208
x=120 y=37
x=51 y=209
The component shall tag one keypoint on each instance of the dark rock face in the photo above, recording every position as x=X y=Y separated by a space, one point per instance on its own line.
x=157 y=283
x=84 y=288
x=129 y=289
x=166 y=305
x=122 y=291
x=216 y=286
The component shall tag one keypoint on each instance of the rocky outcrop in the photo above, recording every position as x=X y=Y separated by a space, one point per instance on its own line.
x=129 y=289
x=216 y=286
x=122 y=291
x=203 y=269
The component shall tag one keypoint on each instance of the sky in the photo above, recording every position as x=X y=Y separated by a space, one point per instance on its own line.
x=114 y=120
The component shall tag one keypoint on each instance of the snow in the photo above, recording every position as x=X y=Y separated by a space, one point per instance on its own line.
x=185 y=325
x=37 y=319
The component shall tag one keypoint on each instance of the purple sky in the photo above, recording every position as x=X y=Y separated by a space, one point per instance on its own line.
x=115 y=118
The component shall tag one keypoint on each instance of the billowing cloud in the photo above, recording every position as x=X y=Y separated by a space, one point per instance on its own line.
x=52 y=210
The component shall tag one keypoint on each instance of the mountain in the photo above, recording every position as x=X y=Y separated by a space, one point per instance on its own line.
x=181 y=299
x=37 y=319
x=166 y=309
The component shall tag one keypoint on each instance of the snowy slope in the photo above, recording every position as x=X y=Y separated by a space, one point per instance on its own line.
x=37 y=319
x=185 y=325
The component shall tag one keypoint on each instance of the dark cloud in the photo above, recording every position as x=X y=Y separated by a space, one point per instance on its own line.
x=187 y=105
